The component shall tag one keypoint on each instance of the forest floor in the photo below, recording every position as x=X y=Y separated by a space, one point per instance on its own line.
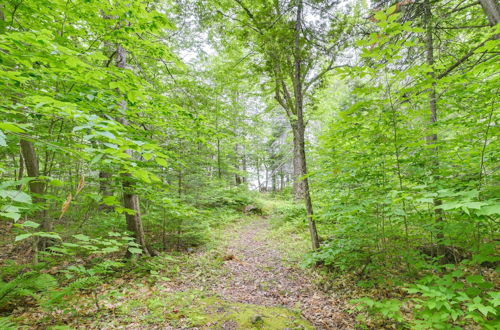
x=258 y=274
x=244 y=280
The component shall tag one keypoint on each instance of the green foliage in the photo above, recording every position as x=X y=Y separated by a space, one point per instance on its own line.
x=389 y=309
x=84 y=245
x=29 y=284
x=290 y=212
x=159 y=268
x=102 y=121
x=453 y=299
x=7 y=324
x=232 y=197
x=13 y=202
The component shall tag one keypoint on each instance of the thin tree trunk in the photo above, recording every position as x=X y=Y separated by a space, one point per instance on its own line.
x=298 y=185
x=299 y=131
x=244 y=164
x=237 y=178
x=258 y=173
x=433 y=138
x=267 y=178
x=219 y=161
x=282 y=180
x=21 y=170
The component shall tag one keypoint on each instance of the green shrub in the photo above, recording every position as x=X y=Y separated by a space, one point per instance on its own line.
x=452 y=300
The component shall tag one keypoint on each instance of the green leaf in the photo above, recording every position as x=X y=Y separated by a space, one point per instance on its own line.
x=30 y=224
x=161 y=162
x=16 y=196
x=474 y=279
x=82 y=237
x=47 y=235
x=489 y=210
x=22 y=236
x=110 y=249
x=135 y=250
x=11 y=128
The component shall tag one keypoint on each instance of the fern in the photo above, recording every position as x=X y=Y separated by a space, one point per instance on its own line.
x=27 y=284
x=85 y=283
x=6 y=324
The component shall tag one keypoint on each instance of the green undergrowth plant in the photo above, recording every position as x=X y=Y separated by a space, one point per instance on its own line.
x=81 y=265
x=7 y=324
x=29 y=284
x=454 y=297
x=158 y=268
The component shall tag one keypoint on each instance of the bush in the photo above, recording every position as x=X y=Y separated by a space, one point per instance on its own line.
x=456 y=298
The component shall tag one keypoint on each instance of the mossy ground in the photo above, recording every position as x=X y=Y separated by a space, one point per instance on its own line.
x=192 y=309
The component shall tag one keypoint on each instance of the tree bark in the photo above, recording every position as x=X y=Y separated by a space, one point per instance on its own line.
x=299 y=129
x=433 y=138
x=219 y=160
x=21 y=170
x=134 y=221
x=244 y=165
x=37 y=188
x=298 y=185
x=237 y=177
x=492 y=10
x=130 y=198
x=257 y=165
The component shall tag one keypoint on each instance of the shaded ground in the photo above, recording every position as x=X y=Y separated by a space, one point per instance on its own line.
x=245 y=284
x=257 y=275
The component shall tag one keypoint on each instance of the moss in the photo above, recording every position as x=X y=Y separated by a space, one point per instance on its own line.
x=218 y=312
x=194 y=309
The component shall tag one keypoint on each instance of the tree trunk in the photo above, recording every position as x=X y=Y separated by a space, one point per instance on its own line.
x=37 y=187
x=267 y=178
x=134 y=221
x=299 y=129
x=21 y=170
x=298 y=185
x=282 y=180
x=130 y=198
x=258 y=173
x=492 y=11
x=237 y=177
x=273 y=178
x=433 y=138
x=219 y=160
x=244 y=164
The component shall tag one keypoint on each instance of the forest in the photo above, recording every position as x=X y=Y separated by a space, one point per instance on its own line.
x=249 y=164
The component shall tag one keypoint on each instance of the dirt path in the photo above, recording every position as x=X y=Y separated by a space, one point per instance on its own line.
x=257 y=275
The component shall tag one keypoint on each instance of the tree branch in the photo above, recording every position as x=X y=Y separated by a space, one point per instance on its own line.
x=462 y=59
